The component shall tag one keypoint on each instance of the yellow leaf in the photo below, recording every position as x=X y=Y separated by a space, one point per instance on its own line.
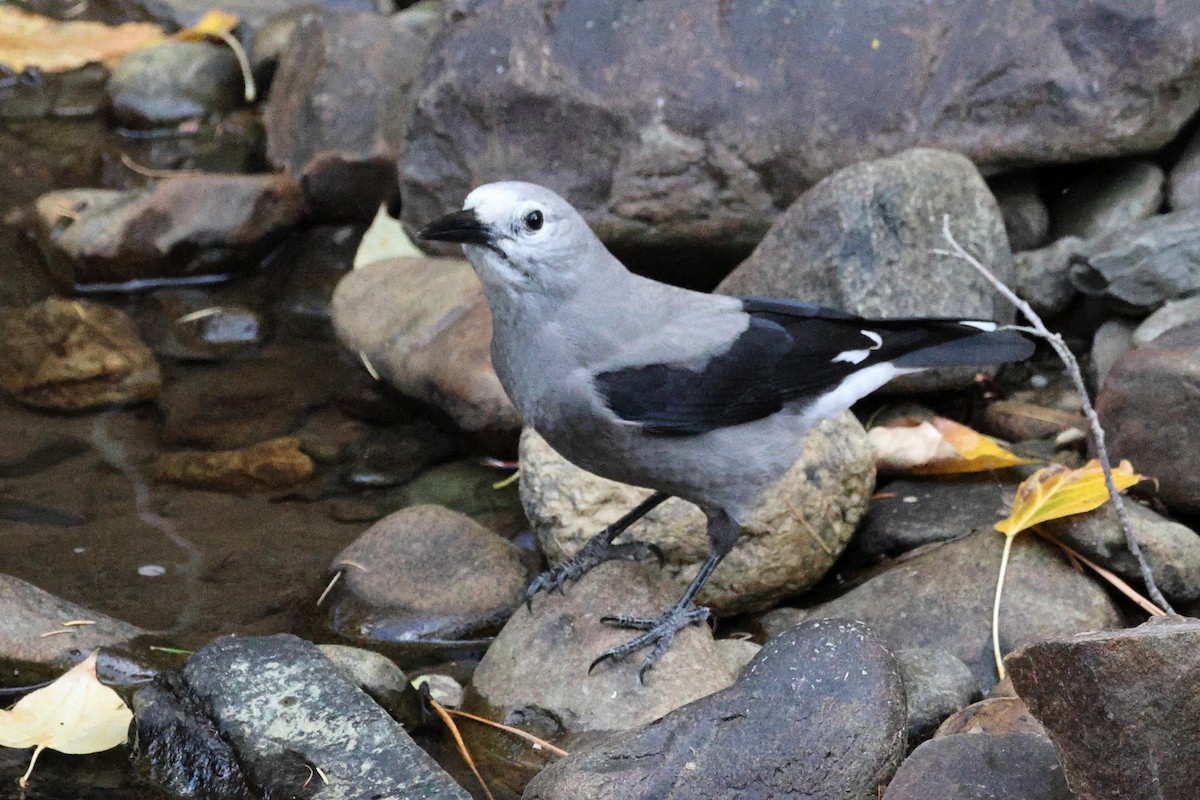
x=976 y=452
x=31 y=40
x=1056 y=491
x=75 y=714
x=937 y=446
x=214 y=23
x=384 y=239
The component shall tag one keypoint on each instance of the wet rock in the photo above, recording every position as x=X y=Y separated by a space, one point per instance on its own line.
x=308 y=267
x=469 y=488
x=74 y=93
x=263 y=467
x=941 y=598
x=379 y=677
x=819 y=713
x=791 y=538
x=936 y=684
x=180 y=227
x=164 y=85
x=1151 y=413
x=71 y=355
x=1041 y=277
x=864 y=239
x=337 y=109
x=1184 y=180
x=535 y=675
x=1026 y=218
x=1020 y=766
x=1137 y=269
x=677 y=123
x=1121 y=707
x=1171 y=315
x=1113 y=339
x=192 y=325
x=422 y=578
x=396 y=454
x=1108 y=197
x=425 y=326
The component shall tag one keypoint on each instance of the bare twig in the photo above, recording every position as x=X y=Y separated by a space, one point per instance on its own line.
x=1040 y=330
x=538 y=742
x=458 y=741
x=1115 y=580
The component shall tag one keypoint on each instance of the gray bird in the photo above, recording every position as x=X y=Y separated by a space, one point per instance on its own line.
x=698 y=396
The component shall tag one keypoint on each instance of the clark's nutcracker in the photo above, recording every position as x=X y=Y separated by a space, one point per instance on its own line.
x=699 y=396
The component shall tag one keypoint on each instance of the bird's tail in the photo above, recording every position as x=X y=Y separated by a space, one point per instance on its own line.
x=984 y=347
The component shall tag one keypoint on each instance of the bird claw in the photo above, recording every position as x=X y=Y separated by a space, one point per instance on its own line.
x=659 y=631
x=592 y=554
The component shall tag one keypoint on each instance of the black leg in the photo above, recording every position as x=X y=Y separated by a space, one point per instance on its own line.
x=598 y=550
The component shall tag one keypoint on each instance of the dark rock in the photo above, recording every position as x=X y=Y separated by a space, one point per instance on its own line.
x=70 y=355
x=270 y=40
x=164 y=85
x=262 y=467
x=1108 y=197
x=309 y=266
x=1026 y=218
x=1113 y=339
x=396 y=454
x=425 y=326
x=1042 y=277
x=379 y=677
x=1137 y=269
x=864 y=240
x=941 y=598
x=1150 y=411
x=74 y=93
x=337 y=109
x=192 y=325
x=674 y=122
x=818 y=713
x=1184 y=179
x=181 y=227
x=1121 y=706
x=251 y=13
x=1017 y=421
x=1015 y=766
x=936 y=684
x=1172 y=314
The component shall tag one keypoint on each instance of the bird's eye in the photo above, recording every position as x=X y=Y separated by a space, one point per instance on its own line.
x=534 y=220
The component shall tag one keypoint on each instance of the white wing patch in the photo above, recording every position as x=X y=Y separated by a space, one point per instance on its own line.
x=858 y=356
x=980 y=324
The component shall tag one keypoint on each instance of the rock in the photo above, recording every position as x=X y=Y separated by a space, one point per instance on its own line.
x=1109 y=197
x=164 y=85
x=936 y=684
x=1017 y=766
x=535 y=675
x=263 y=467
x=737 y=653
x=1171 y=315
x=1151 y=413
x=791 y=539
x=1113 y=339
x=379 y=677
x=425 y=326
x=1026 y=218
x=422 y=578
x=270 y=40
x=180 y=227
x=672 y=123
x=192 y=325
x=941 y=598
x=71 y=355
x=74 y=93
x=864 y=240
x=1041 y=277
x=252 y=14
x=1121 y=707
x=1137 y=269
x=1184 y=180
x=337 y=109
x=398 y=453
x=308 y=267
x=993 y=716
x=819 y=713
x=1017 y=421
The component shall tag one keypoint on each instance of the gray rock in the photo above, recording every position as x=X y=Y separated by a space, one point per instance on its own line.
x=193 y=325
x=1137 y=269
x=1042 y=277
x=1015 y=766
x=1121 y=706
x=164 y=85
x=1184 y=179
x=1026 y=218
x=1151 y=413
x=251 y=13
x=1112 y=340
x=425 y=326
x=818 y=713
x=1109 y=197
x=674 y=123
x=936 y=684
x=1172 y=314
x=791 y=539
x=941 y=598
x=379 y=677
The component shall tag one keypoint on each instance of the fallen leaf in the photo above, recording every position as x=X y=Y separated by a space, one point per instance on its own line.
x=76 y=714
x=214 y=23
x=1056 y=491
x=31 y=40
x=937 y=446
x=384 y=239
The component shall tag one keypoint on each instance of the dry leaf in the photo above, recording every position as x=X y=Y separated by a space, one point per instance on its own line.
x=218 y=24
x=31 y=40
x=937 y=446
x=384 y=239
x=1056 y=491
x=75 y=714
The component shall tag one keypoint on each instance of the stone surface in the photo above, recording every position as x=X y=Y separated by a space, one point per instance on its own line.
x=394 y=455
x=252 y=13
x=70 y=355
x=1026 y=218
x=936 y=684
x=818 y=713
x=193 y=325
x=1150 y=411
x=1015 y=766
x=379 y=677
x=941 y=598
x=180 y=227
x=1108 y=197
x=1123 y=707
x=266 y=466
x=675 y=122
x=791 y=538
x=1042 y=277
x=1172 y=314
x=424 y=325
x=1019 y=421
x=996 y=715
x=337 y=108
x=1112 y=340
x=164 y=85
x=1184 y=179
x=306 y=270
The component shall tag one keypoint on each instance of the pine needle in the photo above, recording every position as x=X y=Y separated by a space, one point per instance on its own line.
x=536 y=741
x=462 y=746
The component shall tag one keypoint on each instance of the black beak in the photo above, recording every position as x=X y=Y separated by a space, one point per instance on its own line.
x=463 y=227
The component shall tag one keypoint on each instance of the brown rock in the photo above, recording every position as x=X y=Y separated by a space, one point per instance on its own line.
x=1016 y=766
x=71 y=355
x=275 y=464
x=992 y=715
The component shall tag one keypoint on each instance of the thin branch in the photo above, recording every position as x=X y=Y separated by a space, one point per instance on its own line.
x=1040 y=330
x=458 y=741
x=1117 y=582
x=536 y=741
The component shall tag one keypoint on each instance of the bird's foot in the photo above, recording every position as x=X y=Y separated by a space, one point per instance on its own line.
x=591 y=554
x=659 y=631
